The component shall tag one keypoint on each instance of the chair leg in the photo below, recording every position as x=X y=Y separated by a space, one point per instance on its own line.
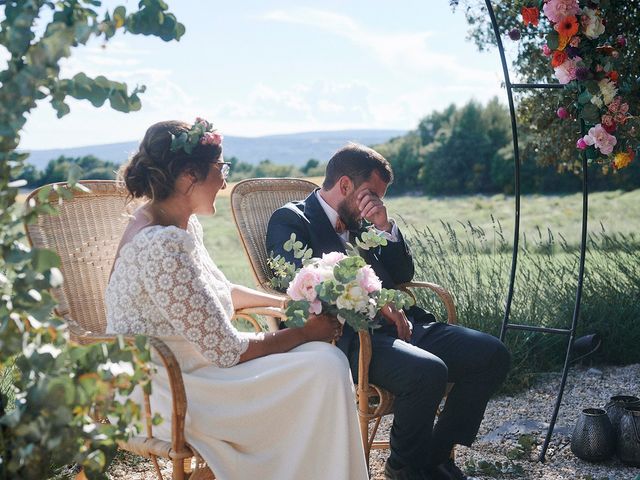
x=156 y=466
x=364 y=434
x=178 y=469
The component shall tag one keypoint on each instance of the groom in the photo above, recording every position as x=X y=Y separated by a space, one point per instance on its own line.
x=413 y=355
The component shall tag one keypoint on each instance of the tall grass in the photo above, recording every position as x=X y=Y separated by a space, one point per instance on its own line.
x=475 y=266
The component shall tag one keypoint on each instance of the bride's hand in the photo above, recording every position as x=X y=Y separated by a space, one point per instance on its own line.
x=324 y=328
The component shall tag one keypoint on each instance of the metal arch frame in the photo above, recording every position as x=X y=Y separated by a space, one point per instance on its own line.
x=570 y=332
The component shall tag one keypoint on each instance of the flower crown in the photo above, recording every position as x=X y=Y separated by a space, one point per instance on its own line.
x=200 y=133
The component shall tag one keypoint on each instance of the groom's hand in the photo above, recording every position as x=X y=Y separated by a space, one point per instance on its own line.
x=372 y=209
x=399 y=319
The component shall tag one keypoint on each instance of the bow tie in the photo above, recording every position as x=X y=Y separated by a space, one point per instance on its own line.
x=341 y=227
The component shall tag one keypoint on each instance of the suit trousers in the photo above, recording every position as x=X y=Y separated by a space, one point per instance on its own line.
x=417 y=374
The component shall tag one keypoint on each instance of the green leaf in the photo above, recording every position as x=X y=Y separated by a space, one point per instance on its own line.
x=119 y=16
x=590 y=114
x=43 y=193
x=592 y=87
x=584 y=97
x=43 y=260
x=95 y=461
x=74 y=174
x=553 y=40
x=142 y=343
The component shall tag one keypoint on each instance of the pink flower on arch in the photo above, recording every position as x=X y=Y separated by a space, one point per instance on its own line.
x=602 y=140
x=581 y=144
x=556 y=10
x=566 y=72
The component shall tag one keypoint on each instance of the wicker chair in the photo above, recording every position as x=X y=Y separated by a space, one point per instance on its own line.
x=253 y=201
x=85 y=234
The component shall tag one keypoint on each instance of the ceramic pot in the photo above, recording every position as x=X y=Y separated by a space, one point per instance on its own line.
x=628 y=442
x=593 y=438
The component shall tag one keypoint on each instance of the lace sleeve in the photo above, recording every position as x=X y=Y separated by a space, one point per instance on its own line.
x=189 y=299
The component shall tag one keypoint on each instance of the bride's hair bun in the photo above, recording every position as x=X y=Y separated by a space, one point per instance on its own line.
x=152 y=171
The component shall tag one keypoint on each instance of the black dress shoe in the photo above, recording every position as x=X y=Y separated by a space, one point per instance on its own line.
x=404 y=473
x=448 y=471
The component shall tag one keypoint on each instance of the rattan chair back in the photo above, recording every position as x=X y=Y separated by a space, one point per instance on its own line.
x=253 y=201
x=85 y=234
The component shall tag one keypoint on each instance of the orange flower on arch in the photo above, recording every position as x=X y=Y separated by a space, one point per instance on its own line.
x=566 y=28
x=623 y=159
x=559 y=57
x=530 y=15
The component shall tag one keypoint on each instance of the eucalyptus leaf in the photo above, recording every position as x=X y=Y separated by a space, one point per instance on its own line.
x=51 y=421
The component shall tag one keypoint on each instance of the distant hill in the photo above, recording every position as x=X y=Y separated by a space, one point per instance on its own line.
x=287 y=149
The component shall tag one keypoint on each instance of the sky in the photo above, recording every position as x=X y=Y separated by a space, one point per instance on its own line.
x=280 y=66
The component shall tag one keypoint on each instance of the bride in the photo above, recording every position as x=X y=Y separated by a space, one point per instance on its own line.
x=271 y=405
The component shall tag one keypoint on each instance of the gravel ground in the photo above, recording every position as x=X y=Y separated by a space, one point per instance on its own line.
x=513 y=426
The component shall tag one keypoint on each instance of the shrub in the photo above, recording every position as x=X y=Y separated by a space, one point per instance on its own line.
x=53 y=390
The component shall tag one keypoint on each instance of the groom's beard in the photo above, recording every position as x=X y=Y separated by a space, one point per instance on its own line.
x=349 y=214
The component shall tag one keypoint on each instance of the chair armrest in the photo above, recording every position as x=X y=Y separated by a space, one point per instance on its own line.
x=443 y=294
x=176 y=384
x=366 y=390
x=273 y=314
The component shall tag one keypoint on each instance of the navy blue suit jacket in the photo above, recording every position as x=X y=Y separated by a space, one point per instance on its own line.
x=393 y=263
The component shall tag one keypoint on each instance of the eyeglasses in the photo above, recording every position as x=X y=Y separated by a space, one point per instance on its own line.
x=224 y=169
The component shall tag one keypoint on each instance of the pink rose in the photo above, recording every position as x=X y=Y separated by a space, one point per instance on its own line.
x=368 y=280
x=562 y=113
x=556 y=10
x=602 y=140
x=615 y=105
x=567 y=71
x=608 y=123
x=581 y=144
x=331 y=259
x=620 y=118
x=211 y=138
x=316 y=307
x=303 y=286
x=546 y=51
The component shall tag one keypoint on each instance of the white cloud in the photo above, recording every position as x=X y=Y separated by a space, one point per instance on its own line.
x=317 y=103
x=412 y=52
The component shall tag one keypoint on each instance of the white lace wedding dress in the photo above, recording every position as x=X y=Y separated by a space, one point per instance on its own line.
x=283 y=416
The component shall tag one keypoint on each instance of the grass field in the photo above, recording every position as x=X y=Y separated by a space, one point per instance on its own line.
x=618 y=212
x=464 y=243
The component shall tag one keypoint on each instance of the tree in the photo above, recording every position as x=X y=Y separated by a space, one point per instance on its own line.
x=406 y=160
x=89 y=166
x=56 y=384
x=266 y=168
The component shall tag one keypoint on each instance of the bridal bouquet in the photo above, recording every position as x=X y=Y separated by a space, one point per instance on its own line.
x=336 y=284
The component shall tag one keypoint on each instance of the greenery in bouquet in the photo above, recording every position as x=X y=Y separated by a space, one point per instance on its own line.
x=337 y=284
